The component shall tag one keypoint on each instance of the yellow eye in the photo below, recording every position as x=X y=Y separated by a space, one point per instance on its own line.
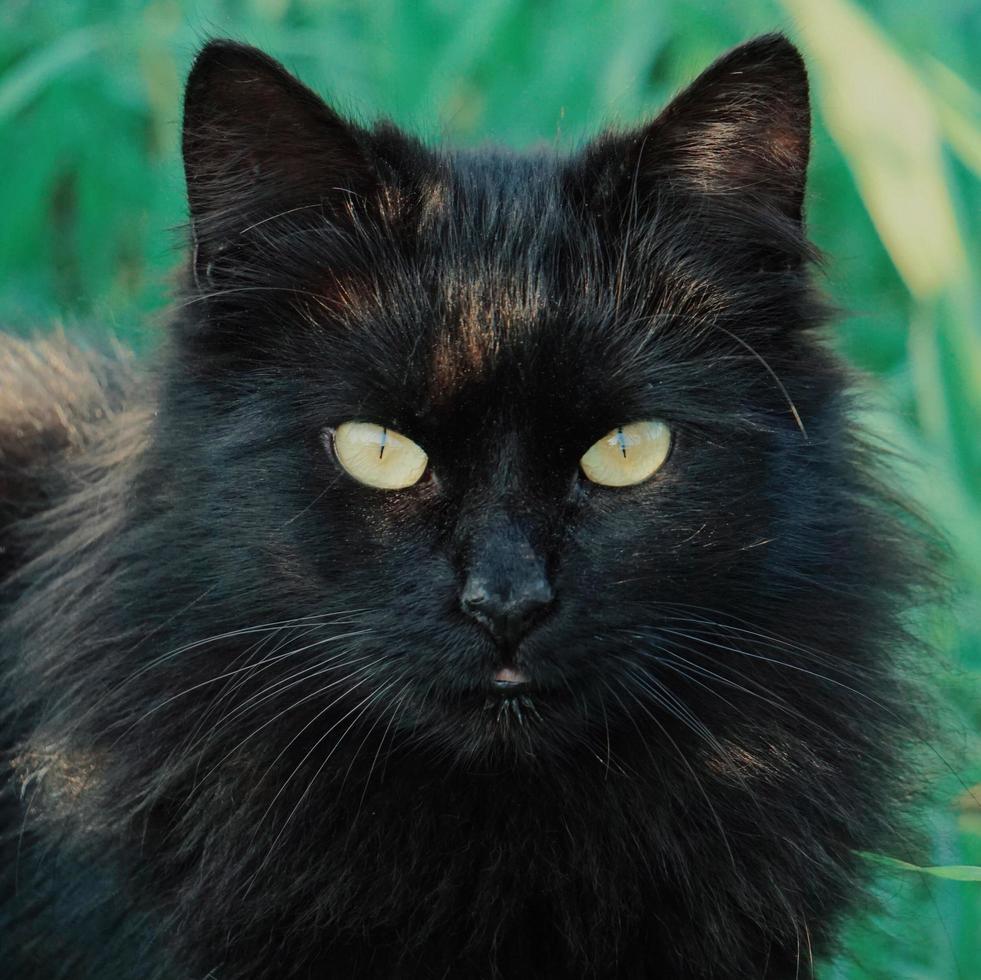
x=627 y=455
x=378 y=456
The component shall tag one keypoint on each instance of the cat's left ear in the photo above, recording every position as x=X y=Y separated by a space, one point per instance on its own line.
x=259 y=144
x=742 y=128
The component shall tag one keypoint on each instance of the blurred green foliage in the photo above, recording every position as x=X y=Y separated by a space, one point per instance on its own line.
x=91 y=200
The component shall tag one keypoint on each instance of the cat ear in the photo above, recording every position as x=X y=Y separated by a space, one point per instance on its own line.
x=741 y=128
x=258 y=144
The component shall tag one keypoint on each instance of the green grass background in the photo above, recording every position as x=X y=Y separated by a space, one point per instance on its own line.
x=91 y=212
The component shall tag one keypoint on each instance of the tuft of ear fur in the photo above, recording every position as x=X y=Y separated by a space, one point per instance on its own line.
x=741 y=128
x=258 y=144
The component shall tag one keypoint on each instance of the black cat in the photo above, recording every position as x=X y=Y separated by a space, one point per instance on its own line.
x=486 y=581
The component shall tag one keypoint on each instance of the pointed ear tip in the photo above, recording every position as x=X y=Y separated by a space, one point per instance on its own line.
x=224 y=54
x=775 y=45
x=776 y=51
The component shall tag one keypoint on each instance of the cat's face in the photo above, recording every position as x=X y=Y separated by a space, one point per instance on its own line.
x=496 y=318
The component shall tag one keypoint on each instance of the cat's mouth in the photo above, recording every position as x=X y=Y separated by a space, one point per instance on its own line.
x=511 y=709
x=510 y=701
x=509 y=681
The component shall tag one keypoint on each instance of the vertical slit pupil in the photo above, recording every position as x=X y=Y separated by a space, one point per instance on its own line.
x=622 y=441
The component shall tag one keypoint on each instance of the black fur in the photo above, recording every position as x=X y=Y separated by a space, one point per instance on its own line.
x=249 y=727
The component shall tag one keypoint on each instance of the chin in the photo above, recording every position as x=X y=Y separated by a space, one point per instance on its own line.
x=488 y=727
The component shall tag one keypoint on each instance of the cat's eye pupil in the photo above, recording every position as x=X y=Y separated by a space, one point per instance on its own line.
x=378 y=456
x=608 y=463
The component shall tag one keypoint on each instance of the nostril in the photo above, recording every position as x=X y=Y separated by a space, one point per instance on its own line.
x=475 y=597
x=525 y=607
x=518 y=621
x=536 y=595
x=507 y=613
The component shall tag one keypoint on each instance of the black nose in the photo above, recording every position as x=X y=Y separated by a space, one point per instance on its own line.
x=507 y=608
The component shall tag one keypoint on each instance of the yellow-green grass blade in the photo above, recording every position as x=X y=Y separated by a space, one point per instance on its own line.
x=953 y=872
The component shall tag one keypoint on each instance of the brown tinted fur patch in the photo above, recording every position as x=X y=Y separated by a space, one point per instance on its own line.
x=53 y=397
x=54 y=781
x=460 y=356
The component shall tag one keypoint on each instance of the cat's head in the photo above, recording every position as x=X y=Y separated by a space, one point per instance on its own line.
x=549 y=436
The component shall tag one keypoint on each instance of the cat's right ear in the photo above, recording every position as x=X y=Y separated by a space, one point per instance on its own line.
x=739 y=135
x=259 y=145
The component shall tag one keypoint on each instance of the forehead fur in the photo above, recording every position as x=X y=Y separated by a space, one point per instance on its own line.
x=508 y=277
x=489 y=232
